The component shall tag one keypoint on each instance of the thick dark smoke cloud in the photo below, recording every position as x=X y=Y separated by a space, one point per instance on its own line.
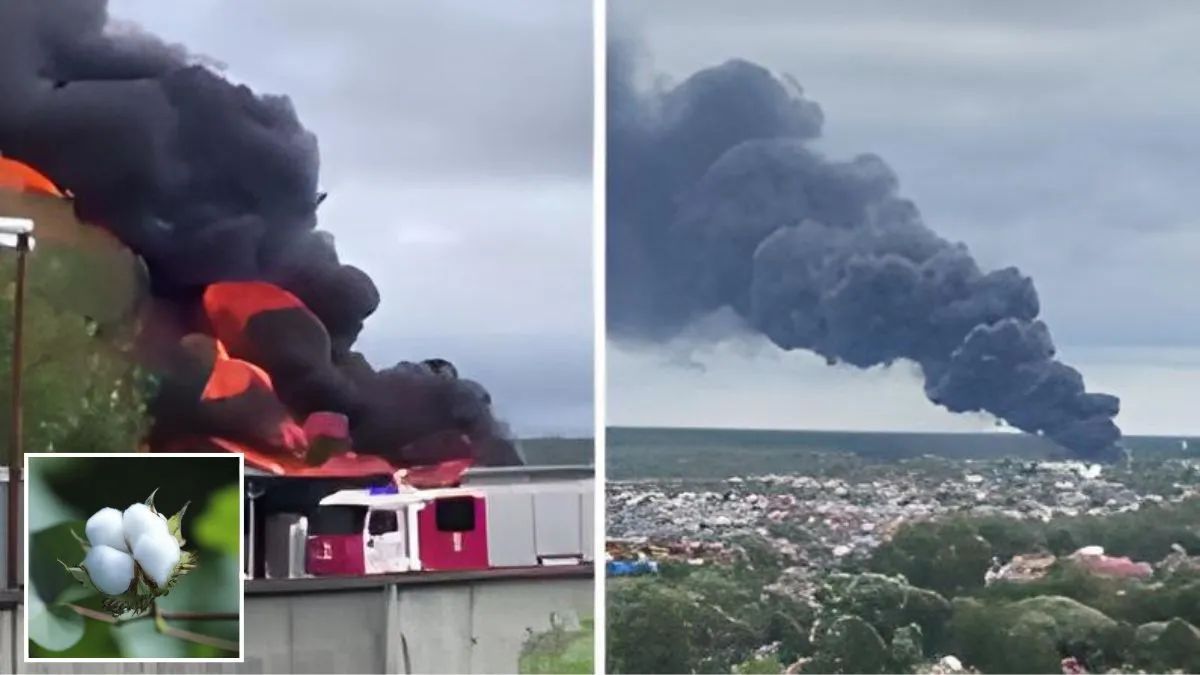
x=716 y=199
x=208 y=181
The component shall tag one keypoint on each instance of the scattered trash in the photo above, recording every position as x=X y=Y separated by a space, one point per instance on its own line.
x=822 y=520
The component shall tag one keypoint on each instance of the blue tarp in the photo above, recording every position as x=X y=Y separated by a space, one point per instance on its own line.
x=628 y=568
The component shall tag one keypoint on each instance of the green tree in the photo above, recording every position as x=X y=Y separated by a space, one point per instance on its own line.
x=1034 y=635
x=849 y=645
x=1168 y=645
x=887 y=603
x=559 y=650
x=648 y=627
x=907 y=650
x=82 y=392
x=949 y=557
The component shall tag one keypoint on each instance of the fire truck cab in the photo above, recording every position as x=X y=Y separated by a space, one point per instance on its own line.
x=472 y=527
x=385 y=530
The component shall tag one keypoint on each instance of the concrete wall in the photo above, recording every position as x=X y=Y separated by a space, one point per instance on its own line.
x=428 y=623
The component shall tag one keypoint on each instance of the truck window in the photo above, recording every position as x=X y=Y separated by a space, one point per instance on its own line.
x=455 y=514
x=337 y=520
x=382 y=522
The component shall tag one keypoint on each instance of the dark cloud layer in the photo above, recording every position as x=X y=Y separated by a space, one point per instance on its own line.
x=718 y=199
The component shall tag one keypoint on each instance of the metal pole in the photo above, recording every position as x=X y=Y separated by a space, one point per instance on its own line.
x=250 y=543
x=16 y=454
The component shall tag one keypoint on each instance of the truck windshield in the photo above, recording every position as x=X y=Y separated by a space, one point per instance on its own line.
x=338 y=520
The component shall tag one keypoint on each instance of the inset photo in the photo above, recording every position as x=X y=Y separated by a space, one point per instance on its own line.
x=133 y=556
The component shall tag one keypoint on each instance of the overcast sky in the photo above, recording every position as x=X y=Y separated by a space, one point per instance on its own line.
x=456 y=146
x=1063 y=138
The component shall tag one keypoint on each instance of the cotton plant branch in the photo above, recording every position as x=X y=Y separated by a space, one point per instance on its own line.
x=160 y=623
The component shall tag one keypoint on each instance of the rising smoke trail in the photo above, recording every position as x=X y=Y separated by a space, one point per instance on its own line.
x=716 y=200
x=210 y=182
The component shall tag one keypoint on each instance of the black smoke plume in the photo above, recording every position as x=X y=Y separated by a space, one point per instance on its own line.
x=717 y=200
x=208 y=182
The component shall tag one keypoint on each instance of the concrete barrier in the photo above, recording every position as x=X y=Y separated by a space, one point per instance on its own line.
x=432 y=622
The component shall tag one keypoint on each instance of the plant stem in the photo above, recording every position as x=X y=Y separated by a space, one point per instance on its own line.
x=160 y=622
x=200 y=616
x=97 y=615
x=169 y=616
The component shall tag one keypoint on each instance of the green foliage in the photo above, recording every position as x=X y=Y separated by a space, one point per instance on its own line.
x=726 y=618
x=81 y=391
x=648 y=627
x=1034 y=635
x=887 y=603
x=219 y=526
x=559 y=650
x=761 y=665
x=1128 y=600
x=907 y=648
x=898 y=617
x=949 y=557
x=51 y=623
x=706 y=619
x=1168 y=645
x=849 y=645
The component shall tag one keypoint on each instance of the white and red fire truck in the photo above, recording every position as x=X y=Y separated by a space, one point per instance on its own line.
x=497 y=518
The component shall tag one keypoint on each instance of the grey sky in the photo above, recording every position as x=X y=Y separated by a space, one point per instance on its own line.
x=456 y=146
x=1063 y=138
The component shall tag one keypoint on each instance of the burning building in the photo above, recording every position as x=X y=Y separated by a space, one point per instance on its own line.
x=249 y=317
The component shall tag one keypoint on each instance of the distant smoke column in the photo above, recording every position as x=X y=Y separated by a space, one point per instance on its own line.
x=715 y=200
x=208 y=182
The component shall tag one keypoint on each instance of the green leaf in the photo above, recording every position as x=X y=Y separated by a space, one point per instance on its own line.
x=97 y=642
x=79 y=573
x=47 y=549
x=187 y=563
x=82 y=542
x=141 y=639
x=175 y=524
x=219 y=526
x=150 y=499
x=46 y=509
x=75 y=595
x=54 y=628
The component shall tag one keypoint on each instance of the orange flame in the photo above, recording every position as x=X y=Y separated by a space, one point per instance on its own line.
x=20 y=177
x=229 y=305
x=231 y=377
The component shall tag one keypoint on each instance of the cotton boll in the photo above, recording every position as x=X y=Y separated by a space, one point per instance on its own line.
x=110 y=570
x=105 y=528
x=158 y=554
x=140 y=520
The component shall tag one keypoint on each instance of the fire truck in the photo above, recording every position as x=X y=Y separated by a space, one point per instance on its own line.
x=496 y=518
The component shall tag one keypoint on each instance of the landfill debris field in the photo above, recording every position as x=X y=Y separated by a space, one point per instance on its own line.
x=853 y=563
